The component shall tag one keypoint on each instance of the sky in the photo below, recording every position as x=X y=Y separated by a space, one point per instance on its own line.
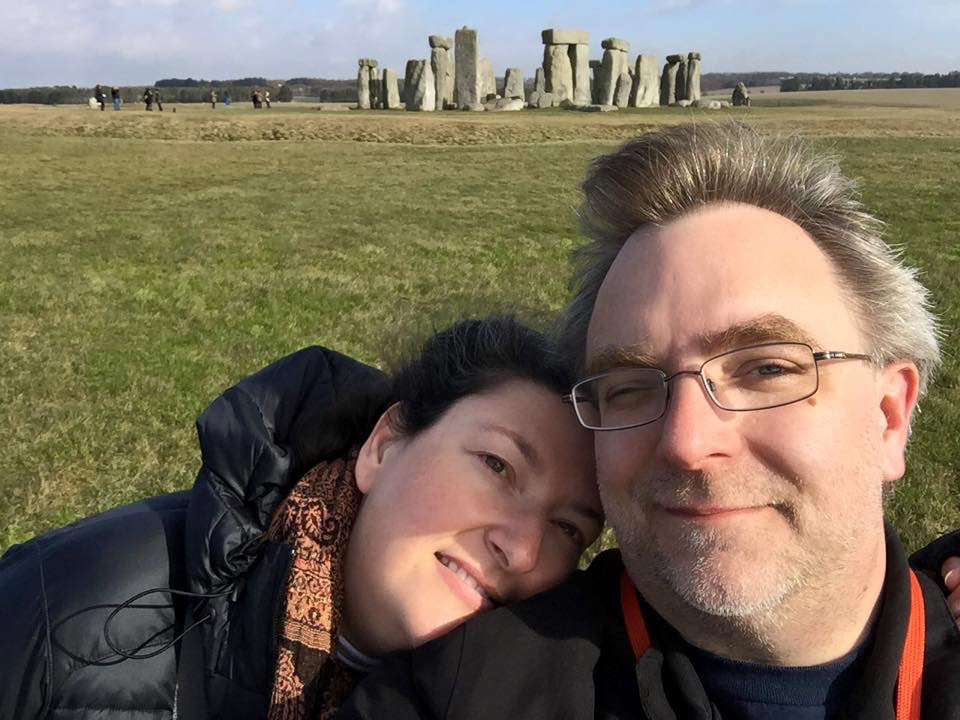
x=135 y=42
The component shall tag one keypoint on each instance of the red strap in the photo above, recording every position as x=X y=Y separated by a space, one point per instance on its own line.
x=910 y=677
x=633 y=616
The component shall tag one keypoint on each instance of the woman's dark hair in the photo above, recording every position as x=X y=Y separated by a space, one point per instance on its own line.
x=471 y=357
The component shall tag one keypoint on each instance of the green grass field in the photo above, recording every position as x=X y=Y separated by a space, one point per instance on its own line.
x=151 y=260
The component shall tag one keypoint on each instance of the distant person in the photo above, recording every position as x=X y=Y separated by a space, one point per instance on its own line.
x=227 y=100
x=100 y=96
x=213 y=99
x=148 y=99
x=115 y=97
x=266 y=98
x=158 y=99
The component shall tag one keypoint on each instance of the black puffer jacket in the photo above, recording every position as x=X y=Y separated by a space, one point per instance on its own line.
x=59 y=661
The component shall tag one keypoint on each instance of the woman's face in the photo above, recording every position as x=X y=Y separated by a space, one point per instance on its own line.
x=494 y=502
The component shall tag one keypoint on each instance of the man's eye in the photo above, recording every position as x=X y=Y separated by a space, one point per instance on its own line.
x=495 y=464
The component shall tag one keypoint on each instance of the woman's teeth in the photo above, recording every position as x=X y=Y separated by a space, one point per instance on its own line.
x=458 y=570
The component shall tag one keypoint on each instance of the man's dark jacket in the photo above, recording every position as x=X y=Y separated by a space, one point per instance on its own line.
x=565 y=655
x=58 y=590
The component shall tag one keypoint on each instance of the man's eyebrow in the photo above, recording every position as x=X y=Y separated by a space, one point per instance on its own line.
x=767 y=328
x=528 y=451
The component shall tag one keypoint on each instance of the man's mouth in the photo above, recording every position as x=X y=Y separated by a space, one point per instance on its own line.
x=467 y=578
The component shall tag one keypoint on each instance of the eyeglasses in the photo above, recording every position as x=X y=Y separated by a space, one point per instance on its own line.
x=757 y=377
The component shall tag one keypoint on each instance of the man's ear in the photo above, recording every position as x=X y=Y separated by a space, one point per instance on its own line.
x=899 y=386
x=372 y=452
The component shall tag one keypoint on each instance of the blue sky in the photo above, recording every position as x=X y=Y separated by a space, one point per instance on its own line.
x=125 y=42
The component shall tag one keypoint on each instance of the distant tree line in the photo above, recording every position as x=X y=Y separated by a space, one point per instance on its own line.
x=862 y=81
x=722 y=81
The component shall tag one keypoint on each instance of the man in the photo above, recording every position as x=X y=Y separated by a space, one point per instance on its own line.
x=751 y=354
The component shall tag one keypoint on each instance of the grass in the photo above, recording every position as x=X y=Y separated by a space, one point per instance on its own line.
x=150 y=261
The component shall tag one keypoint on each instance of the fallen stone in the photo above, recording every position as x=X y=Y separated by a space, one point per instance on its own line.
x=565 y=37
x=507 y=105
x=558 y=72
x=683 y=103
x=545 y=100
x=714 y=105
x=726 y=104
x=613 y=43
x=391 y=95
x=466 y=89
x=440 y=41
x=596 y=108
x=513 y=83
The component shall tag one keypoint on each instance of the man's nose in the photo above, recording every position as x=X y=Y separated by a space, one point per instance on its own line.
x=516 y=542
x=694 y=430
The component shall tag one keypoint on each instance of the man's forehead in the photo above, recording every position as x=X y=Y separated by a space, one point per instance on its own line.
x=723 y=276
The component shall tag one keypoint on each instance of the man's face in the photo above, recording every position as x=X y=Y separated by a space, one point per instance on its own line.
x=732 y=513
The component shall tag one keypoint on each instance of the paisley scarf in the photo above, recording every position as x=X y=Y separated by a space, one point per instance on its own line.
x=315 y=520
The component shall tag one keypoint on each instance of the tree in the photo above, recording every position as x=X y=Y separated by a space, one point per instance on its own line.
x=284 y=94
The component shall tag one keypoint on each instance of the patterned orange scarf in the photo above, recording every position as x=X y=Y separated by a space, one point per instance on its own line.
x=315 y=519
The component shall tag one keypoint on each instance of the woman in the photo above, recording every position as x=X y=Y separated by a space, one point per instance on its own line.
x=337 y=516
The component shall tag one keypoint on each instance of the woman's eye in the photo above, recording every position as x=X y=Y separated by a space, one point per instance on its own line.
x=571 y=531
x=495 y=464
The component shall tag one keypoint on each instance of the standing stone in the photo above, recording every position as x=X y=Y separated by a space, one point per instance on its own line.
x=613 y=65
x=408 y=82
x=366 y=65
x=621 y=97
x=580 y=62
x=376 y=94
x=741 y=96
x=693 y=77
x=595 y=66
x=681 y=81
x=668 y=81
x=442 y=65
x=466 y=88
x=513 y=84
x=422 y=91
x=488 y=81
x=391 y=95
x=646 y=87
x=558 y=72
x=540 y=81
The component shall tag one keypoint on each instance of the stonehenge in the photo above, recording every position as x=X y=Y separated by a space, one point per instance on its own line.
x=613 y=76
x=442 y=65
x=368 y=69
x=513 y=84
x=390 y=95
x=456 y=76
x=466 y=87
x=419 y=89
x=566 y=65
x=741 y=96
x=693 y=77
x=488 y=81
x=646 y=86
